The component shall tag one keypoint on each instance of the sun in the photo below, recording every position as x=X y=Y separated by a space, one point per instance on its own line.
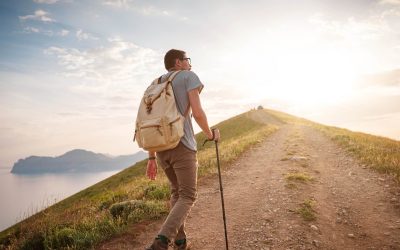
x=297 y=66
x=313 y=77
x=309 y=77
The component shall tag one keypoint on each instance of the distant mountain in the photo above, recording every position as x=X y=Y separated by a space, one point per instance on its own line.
x=75 y=161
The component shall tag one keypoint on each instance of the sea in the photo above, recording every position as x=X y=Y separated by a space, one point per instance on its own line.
x=24 y=195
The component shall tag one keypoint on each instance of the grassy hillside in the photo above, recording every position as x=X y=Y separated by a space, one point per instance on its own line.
x=379 y=153
x=89 y=217
x=101 y=211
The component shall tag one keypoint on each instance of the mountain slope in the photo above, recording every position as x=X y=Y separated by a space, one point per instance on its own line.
x=87 y=218
x=84 y=219
x=295 y=190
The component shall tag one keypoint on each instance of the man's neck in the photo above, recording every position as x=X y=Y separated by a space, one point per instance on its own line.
x=172 y=69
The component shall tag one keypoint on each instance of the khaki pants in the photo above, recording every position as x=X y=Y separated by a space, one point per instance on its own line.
x=180 y=167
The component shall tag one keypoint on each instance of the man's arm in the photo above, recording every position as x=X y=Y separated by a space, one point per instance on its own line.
x=151 y=171
x=199 y=114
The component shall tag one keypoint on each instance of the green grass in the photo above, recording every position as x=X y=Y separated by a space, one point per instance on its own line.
x=380 y=153
x=138 y=210
x=306 y=210
x=105 y=209
x=302 y=177
x=290 y=152
x=291 y=186
x=304 y=164
x=377 y=152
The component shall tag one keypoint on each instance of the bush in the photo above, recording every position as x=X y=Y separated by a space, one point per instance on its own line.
x=36 y=241
x=137 y=210
x=61 y=238
x=81 y=236
x=157 y=192
x=306 y=211
x=6 y=240
x=110 y=198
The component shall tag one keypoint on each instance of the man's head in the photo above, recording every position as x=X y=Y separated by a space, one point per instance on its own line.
x=176 y=60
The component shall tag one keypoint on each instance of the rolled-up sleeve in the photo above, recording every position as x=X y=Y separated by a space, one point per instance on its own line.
x=192 y=81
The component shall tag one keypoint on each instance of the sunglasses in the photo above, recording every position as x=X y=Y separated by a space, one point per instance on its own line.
x=187 y=59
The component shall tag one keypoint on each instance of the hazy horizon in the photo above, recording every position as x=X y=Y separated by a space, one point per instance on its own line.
x=26 y=195
x=72 y=72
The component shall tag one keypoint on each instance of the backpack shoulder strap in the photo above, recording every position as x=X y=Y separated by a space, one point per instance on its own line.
x=170 y=79
x=173 y=75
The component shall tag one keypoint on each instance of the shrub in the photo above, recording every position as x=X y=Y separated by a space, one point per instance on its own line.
x=112 y=197
x=36 y=241
x=306 y=211
x=157 y=192
x=303 y=177
x=136 y=210
x=61 y=238
x=81 y=236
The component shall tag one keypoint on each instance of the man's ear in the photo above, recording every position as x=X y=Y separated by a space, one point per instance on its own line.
x=177 y=63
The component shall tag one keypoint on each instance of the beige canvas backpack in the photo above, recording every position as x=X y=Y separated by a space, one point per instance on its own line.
x=159 y=124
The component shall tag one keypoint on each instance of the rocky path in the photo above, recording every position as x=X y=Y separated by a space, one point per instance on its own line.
x=332 y=202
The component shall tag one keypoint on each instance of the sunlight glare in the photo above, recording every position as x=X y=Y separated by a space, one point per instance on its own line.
x=314 y=77
x=299 y=68
x=305 y=77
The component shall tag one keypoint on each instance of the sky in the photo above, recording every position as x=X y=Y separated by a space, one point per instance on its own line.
x=72 y=72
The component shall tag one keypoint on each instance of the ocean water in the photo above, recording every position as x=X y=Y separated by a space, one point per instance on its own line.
x=24 y=195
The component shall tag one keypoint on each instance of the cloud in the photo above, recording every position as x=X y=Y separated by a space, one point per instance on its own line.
x=391 y=2
x=119 y=63
x=382 y=116
x=39 y=15
x=85 y=36
x=352 y=29
x=387 y=78
x=64 y=32
x=46 y=1
x=69 y=114
x=30 y=30
x=146 y=10
x=118 y=3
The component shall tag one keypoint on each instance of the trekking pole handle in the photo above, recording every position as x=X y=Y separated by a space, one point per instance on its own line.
x=213 y=137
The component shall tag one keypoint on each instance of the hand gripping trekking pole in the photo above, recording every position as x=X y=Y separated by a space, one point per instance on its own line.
x=222 y=195
x=221 y=190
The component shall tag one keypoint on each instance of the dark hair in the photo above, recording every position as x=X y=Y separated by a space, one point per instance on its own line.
x=171 y=56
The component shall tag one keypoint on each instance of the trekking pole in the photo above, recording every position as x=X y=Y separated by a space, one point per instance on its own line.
x=222 y=195
x=220 y=188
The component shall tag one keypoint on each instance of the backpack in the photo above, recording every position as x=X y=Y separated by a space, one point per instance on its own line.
x=159 y=124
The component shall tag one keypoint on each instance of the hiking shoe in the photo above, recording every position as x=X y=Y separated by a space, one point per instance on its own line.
x=185 y=246
x=158 y=245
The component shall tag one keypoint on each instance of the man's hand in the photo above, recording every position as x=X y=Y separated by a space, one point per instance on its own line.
x=215 y=136
x=151 y=171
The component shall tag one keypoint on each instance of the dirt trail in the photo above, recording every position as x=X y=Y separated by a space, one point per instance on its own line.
x=354 y=207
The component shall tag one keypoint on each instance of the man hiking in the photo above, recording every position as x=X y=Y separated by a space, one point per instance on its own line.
x=180 y=163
